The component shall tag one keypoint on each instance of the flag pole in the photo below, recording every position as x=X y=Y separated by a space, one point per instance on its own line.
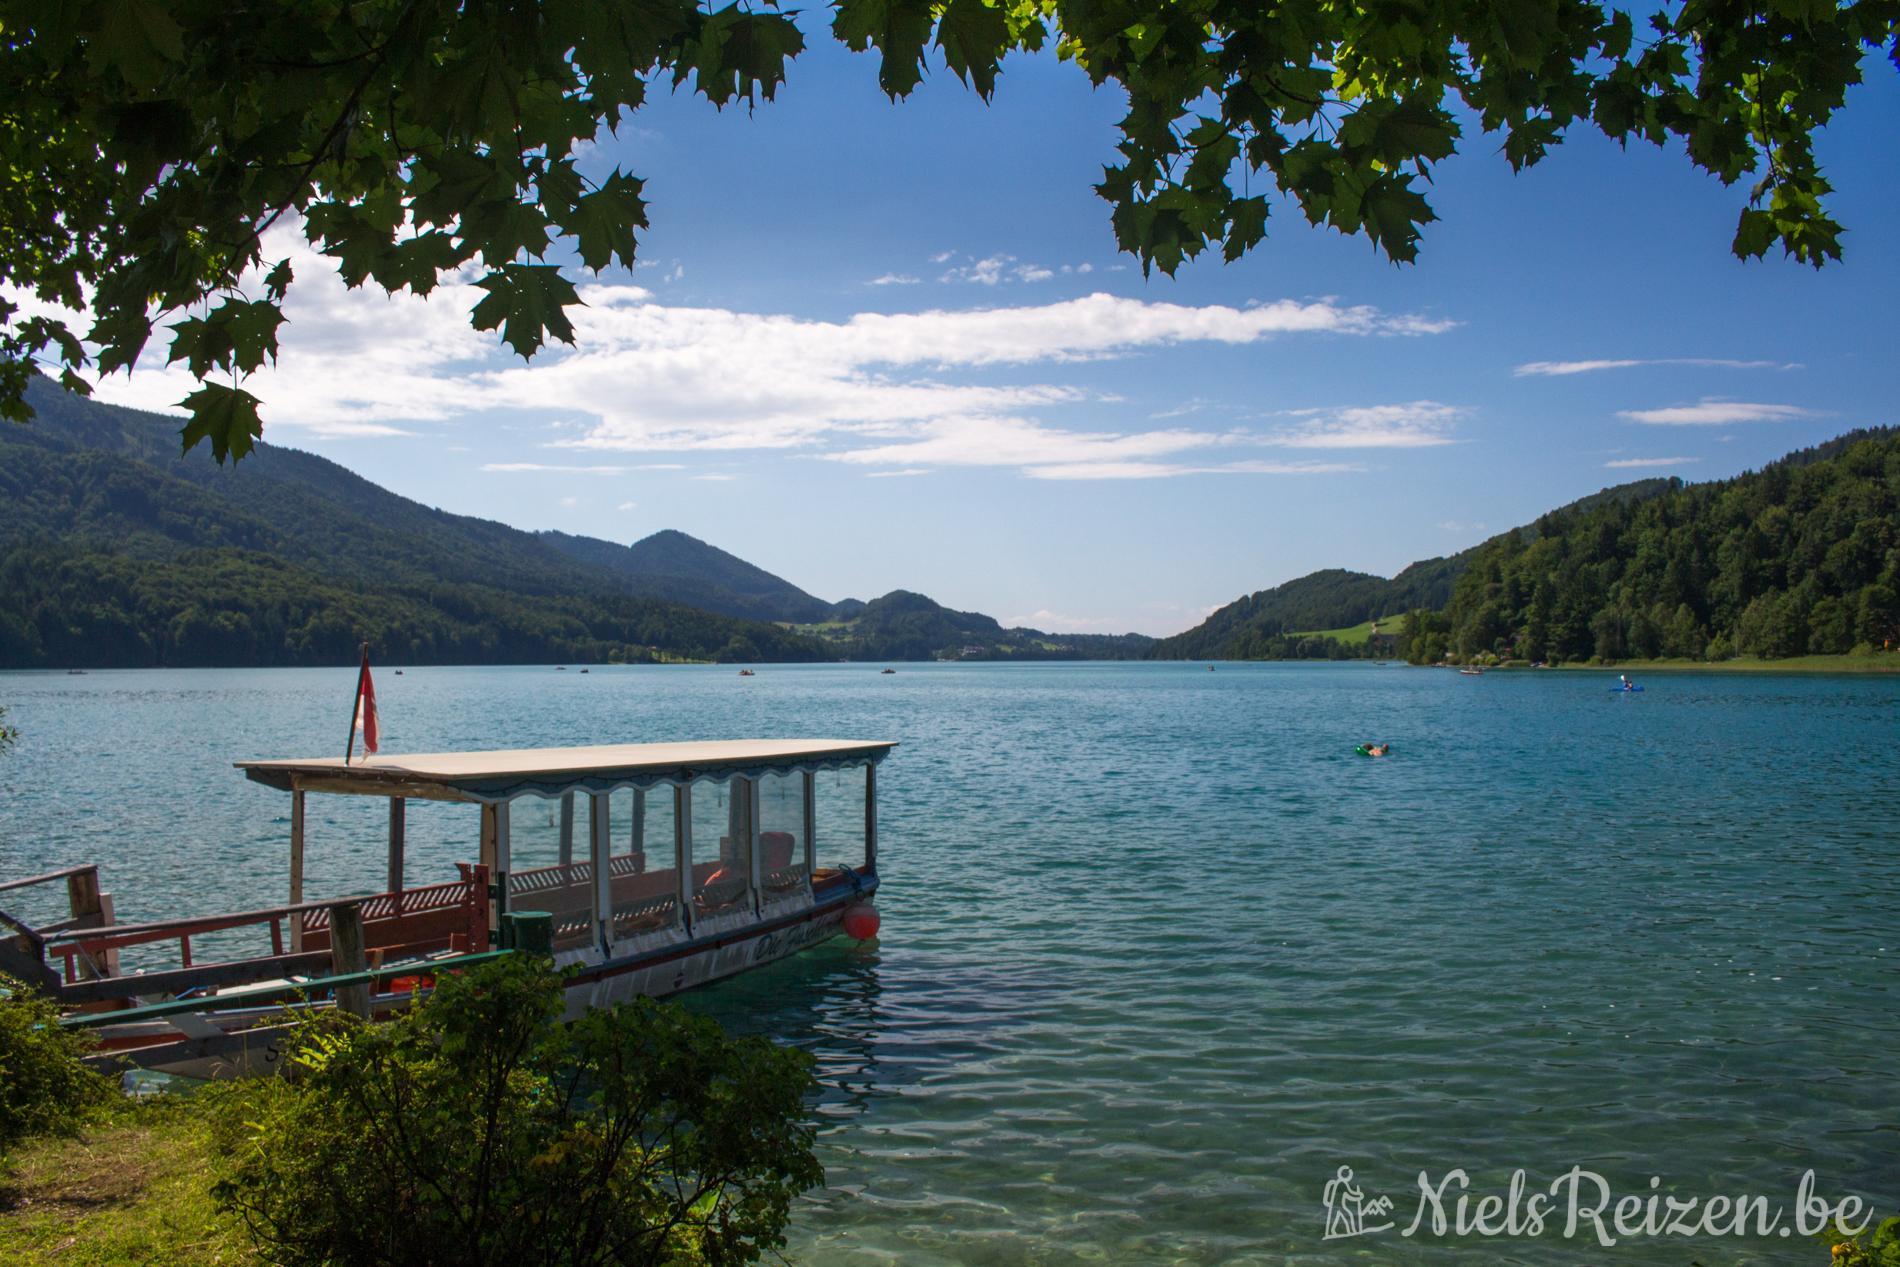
x=356 y=707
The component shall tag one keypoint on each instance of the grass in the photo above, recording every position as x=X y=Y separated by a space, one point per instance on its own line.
x=1357 y=634
x=135 y=1189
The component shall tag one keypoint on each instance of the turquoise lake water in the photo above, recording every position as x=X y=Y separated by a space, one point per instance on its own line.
x=1160 y=953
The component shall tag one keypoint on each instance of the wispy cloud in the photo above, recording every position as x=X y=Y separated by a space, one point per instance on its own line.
x=895 y=279
x=1559 y=369
x=716 y=476
x=907 y=471
x=908 y=391
x=516 y=467
x=1630 y=464
x=1169 y=470
x=1714 y=412
x=1414 y=425
x=1454 y=525
x=626 y=505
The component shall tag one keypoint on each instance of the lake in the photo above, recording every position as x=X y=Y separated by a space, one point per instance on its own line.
x=1160 y=953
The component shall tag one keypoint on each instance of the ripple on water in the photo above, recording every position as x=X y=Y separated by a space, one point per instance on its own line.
x=1160 y=953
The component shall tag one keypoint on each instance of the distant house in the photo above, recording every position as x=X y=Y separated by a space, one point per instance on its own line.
x=973 y=651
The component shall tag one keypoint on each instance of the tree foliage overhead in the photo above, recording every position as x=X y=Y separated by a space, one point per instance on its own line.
x=147 y=145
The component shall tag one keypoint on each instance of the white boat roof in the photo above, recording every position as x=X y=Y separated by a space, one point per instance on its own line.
x=500 y=773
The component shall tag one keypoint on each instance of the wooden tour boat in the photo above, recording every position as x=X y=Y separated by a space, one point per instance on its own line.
x=711 y=868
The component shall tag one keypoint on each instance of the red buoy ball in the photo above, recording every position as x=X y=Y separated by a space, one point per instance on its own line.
x=861 y=922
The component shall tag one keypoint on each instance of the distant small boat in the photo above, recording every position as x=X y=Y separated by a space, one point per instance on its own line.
x=1472 y=672
x=560 y=668
x=398 y=672
x=75 y=673
x=1210 y=668
x=747 y=673
x=887 y=670
x=583 y=670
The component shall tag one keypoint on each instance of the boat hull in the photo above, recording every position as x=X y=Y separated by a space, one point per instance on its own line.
x=252 y=1042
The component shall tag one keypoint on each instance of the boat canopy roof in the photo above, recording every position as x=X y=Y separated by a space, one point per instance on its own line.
x=504 y=774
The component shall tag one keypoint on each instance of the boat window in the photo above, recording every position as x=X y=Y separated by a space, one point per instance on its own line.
x=783 y=865
x=838 y=808
x=645 y=863
x=541 y=881
x=722 y=877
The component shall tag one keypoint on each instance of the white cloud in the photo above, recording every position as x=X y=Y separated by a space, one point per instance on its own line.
x=716 y=476
x=626 y=505
x=941 y=256
x=1415 y=425
x=875 y=389
x=1032 y=273
x=512 y=467
x=909 y=470
x=1558 y=369
x=894 y=279
x=570 y=502
x=1168 y=470
x=1715 y=412
x=1626 y=464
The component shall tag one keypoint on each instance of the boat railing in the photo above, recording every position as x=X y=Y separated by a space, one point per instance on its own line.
x=452 y=916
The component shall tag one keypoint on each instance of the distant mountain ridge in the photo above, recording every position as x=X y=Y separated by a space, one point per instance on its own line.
x=682 y=569
x=117 y=551
x=1333 y=598
x=1799 y=557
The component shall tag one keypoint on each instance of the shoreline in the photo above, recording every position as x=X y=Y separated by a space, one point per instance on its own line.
x=1842 y=664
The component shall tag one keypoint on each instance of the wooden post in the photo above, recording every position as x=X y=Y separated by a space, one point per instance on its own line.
x=638 y=837
x=347 y=954
x=398 y=831
x=811 y=827
x=490 y=859
x=870 y=819
x=82 y=901
x=504 y=852
x=600 y=847
x=567 y=828
x=755 y=864
x=296 y=868
x=683 y=850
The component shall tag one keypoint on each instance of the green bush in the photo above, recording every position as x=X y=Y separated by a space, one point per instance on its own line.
x=476 y=1129
x=44 y=1089
x=1880 y=1248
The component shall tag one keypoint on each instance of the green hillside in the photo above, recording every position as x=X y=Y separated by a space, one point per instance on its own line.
x=1799 y=558
x=114 y=552
x=682 y=569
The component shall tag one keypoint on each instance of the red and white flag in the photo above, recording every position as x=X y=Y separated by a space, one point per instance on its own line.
x=363 y=719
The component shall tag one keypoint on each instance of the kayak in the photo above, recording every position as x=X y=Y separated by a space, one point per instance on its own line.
x=1625 y=690
x=1364 y=751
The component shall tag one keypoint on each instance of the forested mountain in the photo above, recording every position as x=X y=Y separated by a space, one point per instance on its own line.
x=115 y=552
x=1254 y=627
x=671 y=565
x=1801 y=557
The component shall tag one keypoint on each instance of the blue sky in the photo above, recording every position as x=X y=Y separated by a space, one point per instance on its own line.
x=1015 y=421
